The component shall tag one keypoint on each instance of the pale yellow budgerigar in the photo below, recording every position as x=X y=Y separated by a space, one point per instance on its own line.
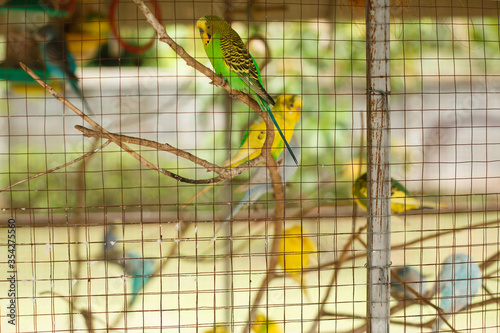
x=295 y=254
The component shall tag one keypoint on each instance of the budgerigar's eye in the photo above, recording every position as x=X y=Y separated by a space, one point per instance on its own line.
x=291 y=105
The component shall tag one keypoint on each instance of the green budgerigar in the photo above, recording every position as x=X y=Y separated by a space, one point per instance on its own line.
x=401 y=199
x=231 y=59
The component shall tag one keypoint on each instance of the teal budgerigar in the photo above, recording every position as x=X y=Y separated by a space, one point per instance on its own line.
x=136 y=268
x=58 y=60
x=231 y=59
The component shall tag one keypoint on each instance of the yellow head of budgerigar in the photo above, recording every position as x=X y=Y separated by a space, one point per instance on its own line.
x=205 y=26
x=291 y=105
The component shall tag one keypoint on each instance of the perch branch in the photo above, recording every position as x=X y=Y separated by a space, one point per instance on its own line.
x=491 y=260
x=424 y=300
x=339 y=315
x=271 y=163
x=106 y=134
x=223 y=172
x=483 y=303
x=59 y=167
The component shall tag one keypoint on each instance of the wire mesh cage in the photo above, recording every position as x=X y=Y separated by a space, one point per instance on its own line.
x=249 y=166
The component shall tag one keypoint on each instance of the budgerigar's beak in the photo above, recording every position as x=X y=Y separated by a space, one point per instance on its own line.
x=205 y=37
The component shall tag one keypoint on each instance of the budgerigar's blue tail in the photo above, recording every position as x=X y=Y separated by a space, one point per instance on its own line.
x=263 y=105
x=140 y=270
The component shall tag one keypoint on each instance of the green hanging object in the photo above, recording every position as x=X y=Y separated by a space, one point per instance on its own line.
x=18 y=75
x=33 y=6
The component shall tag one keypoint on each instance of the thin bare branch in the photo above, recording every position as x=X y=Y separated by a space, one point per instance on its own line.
x=85 y=314
x=406 y=323
x=339 y=315
x=479 y=225
x=483 y=303
x=421 y=299
x=58 y=167
x=159 y=146
x=491 y=260
x=343 y=258
x=223 y=172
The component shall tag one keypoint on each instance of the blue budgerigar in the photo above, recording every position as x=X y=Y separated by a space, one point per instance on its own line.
x=134 y=266
x=412 y=278
x=57 y=59
x=459 y=281
x=260 y=183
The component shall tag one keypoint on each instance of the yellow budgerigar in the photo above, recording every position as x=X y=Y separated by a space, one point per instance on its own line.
x=264 y=325
x=401 y=199
x=287 y=113
x=295 y=254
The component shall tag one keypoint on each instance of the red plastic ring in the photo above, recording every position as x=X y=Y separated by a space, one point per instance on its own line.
x=67 y=5
x=114 y=29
